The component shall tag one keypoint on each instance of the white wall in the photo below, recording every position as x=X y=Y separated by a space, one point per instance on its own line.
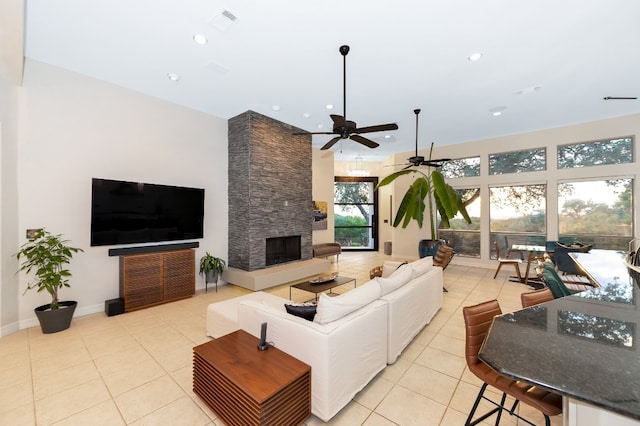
x=11 y=60
x=322 y=183
x=74 y=128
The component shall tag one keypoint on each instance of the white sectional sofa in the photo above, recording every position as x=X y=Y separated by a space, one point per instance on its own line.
x=353 y=336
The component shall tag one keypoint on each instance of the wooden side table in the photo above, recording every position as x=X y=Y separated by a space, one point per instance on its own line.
x=246 y=386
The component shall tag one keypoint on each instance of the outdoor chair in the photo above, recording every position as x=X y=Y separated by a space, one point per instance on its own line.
x=477 y=321
x=506 y=261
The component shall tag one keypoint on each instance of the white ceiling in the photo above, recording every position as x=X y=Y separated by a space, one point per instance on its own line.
x=405 y=54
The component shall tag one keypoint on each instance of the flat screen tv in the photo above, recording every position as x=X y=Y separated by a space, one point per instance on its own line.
x=134 y=212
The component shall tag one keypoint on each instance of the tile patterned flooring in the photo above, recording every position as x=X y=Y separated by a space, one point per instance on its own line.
x=136 y=368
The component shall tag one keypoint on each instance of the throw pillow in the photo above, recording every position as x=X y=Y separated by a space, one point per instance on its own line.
x=389 y=267
x=302 y=310
x=421 y=266
x=396 y=280
x=333 y=308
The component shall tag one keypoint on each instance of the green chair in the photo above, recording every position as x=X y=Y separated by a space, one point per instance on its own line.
x=554 y=282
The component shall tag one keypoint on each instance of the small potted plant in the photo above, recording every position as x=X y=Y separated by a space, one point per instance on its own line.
x=210 y=268
x=46 y=256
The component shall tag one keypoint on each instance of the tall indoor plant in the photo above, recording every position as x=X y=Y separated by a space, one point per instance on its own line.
x=210 y=268
x=46 y=256
x=430 y=190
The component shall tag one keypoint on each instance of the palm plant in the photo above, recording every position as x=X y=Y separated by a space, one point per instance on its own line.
x=428 y=189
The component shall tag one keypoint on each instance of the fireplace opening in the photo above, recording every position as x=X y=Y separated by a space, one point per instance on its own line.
x=282 y=250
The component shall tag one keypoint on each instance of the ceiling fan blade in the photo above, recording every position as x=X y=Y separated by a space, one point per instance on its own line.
x=316 y=133
x=378 y=128
x=338 y=120
x=331 y=143
x=364 y=141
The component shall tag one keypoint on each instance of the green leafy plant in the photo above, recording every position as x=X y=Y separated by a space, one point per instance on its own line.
x=210 y=263
x=46 y=255
x=428 y=189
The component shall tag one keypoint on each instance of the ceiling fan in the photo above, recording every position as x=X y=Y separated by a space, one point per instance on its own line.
x=419 y=160
x=347 y=129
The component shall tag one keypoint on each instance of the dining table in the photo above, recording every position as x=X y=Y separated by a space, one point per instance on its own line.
x=533 y=253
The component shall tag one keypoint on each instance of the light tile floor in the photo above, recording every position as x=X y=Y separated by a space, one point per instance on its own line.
x=136 y=368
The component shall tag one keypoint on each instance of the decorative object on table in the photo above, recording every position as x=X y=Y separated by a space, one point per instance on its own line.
x=428 y=186
x=324 y=278
x=47 y=255
x=210 y=268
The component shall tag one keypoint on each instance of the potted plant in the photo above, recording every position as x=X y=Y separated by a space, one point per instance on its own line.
x=428 y=189
x=47 y=255
x=210 y=268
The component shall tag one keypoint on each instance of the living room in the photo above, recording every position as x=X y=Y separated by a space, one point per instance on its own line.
x=60 y=129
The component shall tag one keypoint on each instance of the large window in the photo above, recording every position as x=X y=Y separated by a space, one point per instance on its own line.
x=517 y=215
x=462 y=236
x=462 y=167
x=596 y=212
x=596 y=153
x=355 y=203
x=529 y=160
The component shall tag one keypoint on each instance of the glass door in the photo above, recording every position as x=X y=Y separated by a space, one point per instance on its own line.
x=355 y=203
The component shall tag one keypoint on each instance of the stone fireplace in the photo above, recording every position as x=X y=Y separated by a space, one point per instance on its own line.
x=270 y=189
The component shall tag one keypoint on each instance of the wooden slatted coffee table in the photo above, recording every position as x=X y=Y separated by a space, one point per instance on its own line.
x=246 y=386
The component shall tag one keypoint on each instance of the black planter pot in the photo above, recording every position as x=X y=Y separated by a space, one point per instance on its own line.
x=428 y=247
x=54 y=320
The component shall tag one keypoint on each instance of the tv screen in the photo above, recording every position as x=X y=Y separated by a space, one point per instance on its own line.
x=134 y=212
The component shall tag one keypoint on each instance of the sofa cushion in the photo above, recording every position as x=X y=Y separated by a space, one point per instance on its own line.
x=421 y=266
x=333 y=308
x=302 y=310
x=397 y=279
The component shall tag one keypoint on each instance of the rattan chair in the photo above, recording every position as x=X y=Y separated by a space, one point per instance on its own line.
x=478 y=320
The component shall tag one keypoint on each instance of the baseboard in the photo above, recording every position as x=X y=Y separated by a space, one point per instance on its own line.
x=9 y=329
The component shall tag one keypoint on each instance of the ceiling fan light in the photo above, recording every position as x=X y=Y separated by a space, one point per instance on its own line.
x=475 y=56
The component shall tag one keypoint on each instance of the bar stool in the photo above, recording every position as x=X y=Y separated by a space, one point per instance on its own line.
x=536 y=297
x=478 y=320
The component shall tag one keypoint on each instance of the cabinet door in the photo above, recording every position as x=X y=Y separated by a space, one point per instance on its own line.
x=141 y=280
x=179 y=274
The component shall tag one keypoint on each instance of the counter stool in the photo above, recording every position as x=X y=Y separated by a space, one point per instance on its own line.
x=478 y=320
x=536 y=297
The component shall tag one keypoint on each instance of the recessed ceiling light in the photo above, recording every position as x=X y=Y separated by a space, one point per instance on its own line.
x=320 y=126
x=200 y=39
x=387 y=136
x=329 y=106
x=475 y=56
x=528 y=90
x=276 y=107
x=173 y=76
x=497 y=111
x=306 y=115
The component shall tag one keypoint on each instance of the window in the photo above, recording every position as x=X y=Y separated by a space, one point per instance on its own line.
x=355 y=203
x=463 y=167
x=517 y=215
x=462 y=236
x=596 y=212
x=530 y=160
x=596 y=153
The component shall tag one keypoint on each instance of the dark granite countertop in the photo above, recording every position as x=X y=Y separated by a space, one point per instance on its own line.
x=583 y=346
